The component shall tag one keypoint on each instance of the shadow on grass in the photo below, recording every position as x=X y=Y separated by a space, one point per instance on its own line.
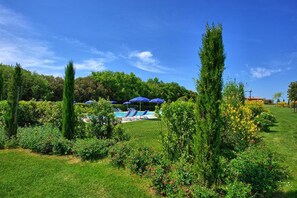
x=290 y=194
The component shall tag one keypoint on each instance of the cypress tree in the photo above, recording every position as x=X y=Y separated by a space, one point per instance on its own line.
x=209 y=88
x=1 y=86
x=68 y=98
x=14 y=94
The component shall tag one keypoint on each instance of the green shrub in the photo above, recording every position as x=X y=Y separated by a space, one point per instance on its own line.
x=119 y=134
x=43 y=139
x=92 y=148
x=11 y=142
x=238 y=189
x=141 y=160
x=204 y=192
x=179 y=119
x=173 y=180
x=264 y=121
x=3 y=138
x=103 y=121
x=119 y=155
x=28 y=113
x=3 y=109
x=258 y=167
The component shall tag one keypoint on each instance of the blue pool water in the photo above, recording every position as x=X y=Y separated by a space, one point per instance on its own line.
x=123 y=113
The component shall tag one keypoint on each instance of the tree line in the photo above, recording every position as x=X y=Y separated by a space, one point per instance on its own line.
x=117 y=86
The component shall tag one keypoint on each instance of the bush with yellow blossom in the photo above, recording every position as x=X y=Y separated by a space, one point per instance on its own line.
x=239 y=129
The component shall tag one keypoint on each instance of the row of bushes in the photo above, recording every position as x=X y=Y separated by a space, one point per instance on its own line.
x=49 y=140
x=254 y=172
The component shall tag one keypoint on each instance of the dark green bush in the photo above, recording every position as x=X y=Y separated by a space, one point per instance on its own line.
x=141 y=160
x=3 y=138
x=92 y=148
x=258 y=167
x=119 y=155
x=238 y=189
x=43 y=139
x=264 y=121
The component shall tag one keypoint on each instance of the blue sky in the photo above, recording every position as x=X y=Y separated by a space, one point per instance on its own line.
x=156 y=38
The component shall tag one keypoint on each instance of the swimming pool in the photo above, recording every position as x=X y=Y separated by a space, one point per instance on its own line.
x=123 y=113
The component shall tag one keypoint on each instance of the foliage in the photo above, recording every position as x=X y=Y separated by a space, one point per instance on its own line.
x=258 y=167
x=28 y=113
x=257 y=106
x=179 y=120
x=119 y=155
x=204 y=192
x=92 y=148
x=141 y=159
x=239 y=130
x=292 y=91
x=44 y=139
x=68 y=116
x=87 y=88
x=3 y=110
x=277 y=96
x=209 y=88
x=55 y=88
x=264 y=121
x=3 y=138
x=233 y=92
x=103 y=121
x=1 y=86
x=238 y=189
x=281 y=104
x=119 y=133
x=14 y=94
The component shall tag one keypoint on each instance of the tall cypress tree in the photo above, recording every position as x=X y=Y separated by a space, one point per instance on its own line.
x=68 y=98
x=209 y=88
x=1 y=86
x=14 y=94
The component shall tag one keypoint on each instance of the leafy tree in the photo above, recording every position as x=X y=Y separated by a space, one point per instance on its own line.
x=292 y=93
x=68 y=116
x=14 y=95
x=56 y=85
x=241 y=93
x=209 y=88
x=1 y=86
x=88 y=88
x=233 y=92
x=277 y=96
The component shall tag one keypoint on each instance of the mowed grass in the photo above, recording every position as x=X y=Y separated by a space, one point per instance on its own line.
x=25 y=174
x=145 y=133
x=283 y=140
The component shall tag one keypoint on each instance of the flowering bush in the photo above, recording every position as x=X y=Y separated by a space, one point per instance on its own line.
x=257 y=106
x=119 y=155
x=239 y=129
x=264 y=121
x=282 y=104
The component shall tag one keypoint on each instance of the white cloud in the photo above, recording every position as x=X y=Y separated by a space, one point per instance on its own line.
x=261 y=72
x=91 y=64
x=19 y=44
x=145 y=61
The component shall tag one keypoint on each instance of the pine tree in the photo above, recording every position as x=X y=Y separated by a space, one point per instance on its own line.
x=68 y=98
x=208 y=118
x=14 y=94
x=1 y=86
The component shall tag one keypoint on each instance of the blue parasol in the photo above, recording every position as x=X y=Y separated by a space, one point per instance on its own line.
x=113 y=102
x=157 y=100
x=140 y=99
x=89 y=101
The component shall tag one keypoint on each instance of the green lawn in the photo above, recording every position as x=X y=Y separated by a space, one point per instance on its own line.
x=24 y=174
x=283 y=140
x=145 y=133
